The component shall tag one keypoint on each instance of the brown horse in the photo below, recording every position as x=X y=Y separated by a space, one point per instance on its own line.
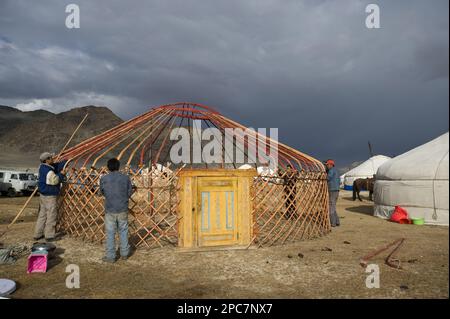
x=363 y=184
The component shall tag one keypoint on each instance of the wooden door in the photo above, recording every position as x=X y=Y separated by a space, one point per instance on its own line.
x=217 y=218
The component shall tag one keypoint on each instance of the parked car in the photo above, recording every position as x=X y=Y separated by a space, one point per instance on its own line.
x=16 y=182
x=6 y=189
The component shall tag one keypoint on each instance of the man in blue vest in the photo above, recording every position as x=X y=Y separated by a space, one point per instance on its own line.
x=333 y=191
x=51 y=175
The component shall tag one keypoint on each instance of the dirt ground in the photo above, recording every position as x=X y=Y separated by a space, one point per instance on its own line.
x=275 y=272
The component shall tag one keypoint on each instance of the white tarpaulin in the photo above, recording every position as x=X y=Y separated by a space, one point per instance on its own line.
x=417 y=181
x=364 y=170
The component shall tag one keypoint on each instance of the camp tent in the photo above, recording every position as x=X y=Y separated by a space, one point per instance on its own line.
x=417 y=181
x=341 y=181
x=364 y=170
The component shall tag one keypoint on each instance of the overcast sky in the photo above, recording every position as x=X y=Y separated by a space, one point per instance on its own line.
x=310 y=68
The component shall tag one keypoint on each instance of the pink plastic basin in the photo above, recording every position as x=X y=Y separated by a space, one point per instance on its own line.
x=37 y=263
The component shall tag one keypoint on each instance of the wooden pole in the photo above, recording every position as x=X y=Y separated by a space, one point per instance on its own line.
x=71 y=137
x=36 y=189
x=23 y=208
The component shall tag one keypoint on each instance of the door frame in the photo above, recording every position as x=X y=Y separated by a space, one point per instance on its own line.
x=188 y=202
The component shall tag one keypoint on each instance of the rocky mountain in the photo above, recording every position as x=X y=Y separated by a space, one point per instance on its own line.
x=11 y=117
x=24 y=135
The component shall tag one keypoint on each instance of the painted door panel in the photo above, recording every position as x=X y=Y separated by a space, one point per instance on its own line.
x=217 y=220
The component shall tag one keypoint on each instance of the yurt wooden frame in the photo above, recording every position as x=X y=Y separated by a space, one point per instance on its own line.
x=290 y=205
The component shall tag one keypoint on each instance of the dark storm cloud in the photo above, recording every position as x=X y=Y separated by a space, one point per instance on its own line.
x=311 y=68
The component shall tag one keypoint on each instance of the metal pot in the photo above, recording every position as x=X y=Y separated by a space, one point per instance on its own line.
x=44 y=247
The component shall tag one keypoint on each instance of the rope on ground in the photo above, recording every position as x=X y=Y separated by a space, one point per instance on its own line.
x=12 y=253
x=390 y=260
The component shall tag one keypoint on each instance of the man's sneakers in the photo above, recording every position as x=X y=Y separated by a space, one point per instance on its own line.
x=50 y=239
x=108 y=260
x=112 y=261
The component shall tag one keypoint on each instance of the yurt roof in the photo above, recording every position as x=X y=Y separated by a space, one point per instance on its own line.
x=425 y=162
x=144 y=140
x=368 y=167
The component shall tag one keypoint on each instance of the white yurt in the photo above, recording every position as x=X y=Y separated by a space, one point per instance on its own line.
x=417 y=181
x=364 y=170
x=341 y=180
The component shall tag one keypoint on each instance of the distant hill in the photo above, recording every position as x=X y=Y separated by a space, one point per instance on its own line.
x=11 y=117
x=24 y=135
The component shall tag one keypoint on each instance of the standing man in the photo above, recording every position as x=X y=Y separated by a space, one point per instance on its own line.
x=51 y=175
x=333 y=191
x=117 y=189
x=290 y=191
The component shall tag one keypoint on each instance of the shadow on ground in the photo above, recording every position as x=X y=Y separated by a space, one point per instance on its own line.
x=366 y=210
x=364 y=199
x=56 y=260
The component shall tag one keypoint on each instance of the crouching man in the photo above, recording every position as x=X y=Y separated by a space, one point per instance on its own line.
x=51 y=175
x=117 y=189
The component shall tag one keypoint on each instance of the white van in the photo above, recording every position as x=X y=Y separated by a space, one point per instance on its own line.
x=15 y=182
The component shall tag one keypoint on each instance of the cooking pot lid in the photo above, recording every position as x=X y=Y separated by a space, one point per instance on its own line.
x=43 y=246
x=6 y=287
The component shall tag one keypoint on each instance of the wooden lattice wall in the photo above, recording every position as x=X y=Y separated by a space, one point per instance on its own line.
x=287 y=207
x=152 y=208
x=290 y=207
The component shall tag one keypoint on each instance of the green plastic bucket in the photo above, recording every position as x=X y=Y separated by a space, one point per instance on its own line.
x=418 y=220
